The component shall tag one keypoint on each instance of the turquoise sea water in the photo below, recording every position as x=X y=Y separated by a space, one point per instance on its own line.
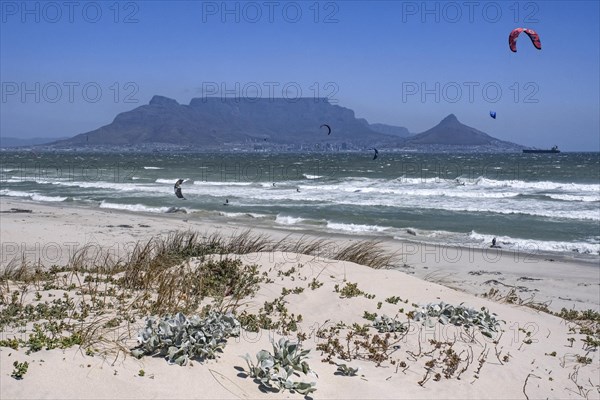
x=550 y=202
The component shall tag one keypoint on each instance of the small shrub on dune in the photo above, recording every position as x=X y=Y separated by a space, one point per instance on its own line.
x=179 y=339
x=459 y=316
x=275 y=371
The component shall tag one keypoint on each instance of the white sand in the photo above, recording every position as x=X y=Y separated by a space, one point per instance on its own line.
x=66 y=374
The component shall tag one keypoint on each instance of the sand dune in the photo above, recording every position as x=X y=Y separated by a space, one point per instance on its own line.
x=530 y=356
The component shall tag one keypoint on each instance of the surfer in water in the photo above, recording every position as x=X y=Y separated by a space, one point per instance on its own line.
x=226 y=202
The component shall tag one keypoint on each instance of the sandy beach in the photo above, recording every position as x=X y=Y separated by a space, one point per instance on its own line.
x=530 y=356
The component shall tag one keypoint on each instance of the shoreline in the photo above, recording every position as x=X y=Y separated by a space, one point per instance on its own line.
x=562 y=281
x=249 y=222
x=530 y=351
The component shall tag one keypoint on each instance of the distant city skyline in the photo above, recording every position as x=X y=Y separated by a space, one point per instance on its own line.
x=69 y=68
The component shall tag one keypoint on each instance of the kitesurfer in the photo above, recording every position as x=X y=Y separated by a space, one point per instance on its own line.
x=177 y=188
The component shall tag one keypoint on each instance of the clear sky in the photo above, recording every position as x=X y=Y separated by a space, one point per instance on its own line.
x=70 y=67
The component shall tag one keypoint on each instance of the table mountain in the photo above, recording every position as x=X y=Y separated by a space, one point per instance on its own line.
x=217 y=121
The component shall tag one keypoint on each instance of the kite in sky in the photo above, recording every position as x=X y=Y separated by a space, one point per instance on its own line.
x=512 y=38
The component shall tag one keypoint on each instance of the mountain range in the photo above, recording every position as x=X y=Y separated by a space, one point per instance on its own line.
x=214 y=122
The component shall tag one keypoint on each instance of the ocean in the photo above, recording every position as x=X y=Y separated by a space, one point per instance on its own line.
x=546 y=203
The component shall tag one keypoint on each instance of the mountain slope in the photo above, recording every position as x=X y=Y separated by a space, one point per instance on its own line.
x=16 y=142
x=450 y=131
x=399 y=131
x=217 y=121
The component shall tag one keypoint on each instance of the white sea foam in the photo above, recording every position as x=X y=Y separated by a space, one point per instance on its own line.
x=170 y=181
x=117 y=187
x=14 y=193
x=240 y=214
x=222 y=183
x=11 y=180
x=287 y=219
x=39 y=197
x=570 y=197
x=33 y=195
x=134 y=207
x=471 y=198
x=530 y=246
x=355 y=228
x=537 y=186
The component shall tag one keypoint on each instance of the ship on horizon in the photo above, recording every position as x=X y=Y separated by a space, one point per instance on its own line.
x=554 y=149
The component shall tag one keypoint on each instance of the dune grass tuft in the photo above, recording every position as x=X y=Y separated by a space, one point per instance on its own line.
x=367 y=252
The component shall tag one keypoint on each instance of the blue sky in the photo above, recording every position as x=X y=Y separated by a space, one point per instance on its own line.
x=67 y=70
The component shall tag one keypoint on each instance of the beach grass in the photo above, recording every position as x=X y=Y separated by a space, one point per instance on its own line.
x=184 y=271
x=99 y=303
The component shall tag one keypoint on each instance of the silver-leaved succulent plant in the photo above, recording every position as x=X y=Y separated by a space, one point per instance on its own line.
x=275 y=371
x=346 y=370
x=459 y=316
x=179 y=339
x=386 y=324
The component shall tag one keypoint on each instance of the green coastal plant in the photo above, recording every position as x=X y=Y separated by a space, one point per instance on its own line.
x=315 y=284
x=275 y=371
x=386 y=324
x=356 y=343
x=20 y=369
x=180 y=339
x=351 y=290
x=393 y=300
x=296 y=290
x=346 y=370
x=369 y=316
x=93 y=300
x=459 y=316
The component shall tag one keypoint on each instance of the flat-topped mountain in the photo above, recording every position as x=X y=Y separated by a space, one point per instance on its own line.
x=215 y=121
x=399 y=131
